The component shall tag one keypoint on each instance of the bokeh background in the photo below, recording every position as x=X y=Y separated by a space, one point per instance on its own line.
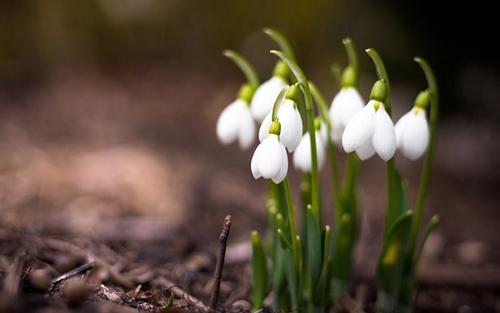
x=108 y=111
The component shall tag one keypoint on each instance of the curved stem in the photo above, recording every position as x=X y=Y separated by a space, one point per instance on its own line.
x=282 y=42
x=351 y=53
x=426 y=168
x=245 y=67
x=382 y=74
x=277 y=102
x=304 y=85
x=391 y=215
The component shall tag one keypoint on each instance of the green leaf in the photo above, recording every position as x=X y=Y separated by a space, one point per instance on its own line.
x=314 y=248
x=322 y=291
x=401 y=202
x=407 y=292
x=431 y=226
x=341 y=254
x=291 y=273
x=391 y=261
x=259 y=272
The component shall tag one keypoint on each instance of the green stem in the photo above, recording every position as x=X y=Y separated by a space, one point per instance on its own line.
x=332 y=154
x=291 y=219
x=277 y=102
x=391 y=208
x=352 y=166
x=245 y=67
x=351 y=53
x=282 y=42
x=304 y=84
x=426 y=168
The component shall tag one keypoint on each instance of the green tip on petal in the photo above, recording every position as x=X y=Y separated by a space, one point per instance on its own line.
x=293 y=93
x=246 y=92
x=379 y=91
x=423 y=99
x=275 y=128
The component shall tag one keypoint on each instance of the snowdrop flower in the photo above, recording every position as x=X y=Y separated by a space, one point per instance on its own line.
x=345 y=104
x=302 y=155
x=412 y=130
x=270 y=160
x=235 y=123
x=291 y=125
x=267 y=92
x=371 y=129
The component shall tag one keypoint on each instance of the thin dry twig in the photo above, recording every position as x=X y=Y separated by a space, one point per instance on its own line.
x=180 y=293
x=80 y=269
x=214 y=294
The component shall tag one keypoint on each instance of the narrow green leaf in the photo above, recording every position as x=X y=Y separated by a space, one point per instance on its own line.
x=341 y=254
x=259 y=272
x=431 y=226
x=407 y=292
x=391 y=261
x=401 y=202
x=321 y=290
x=314 y=249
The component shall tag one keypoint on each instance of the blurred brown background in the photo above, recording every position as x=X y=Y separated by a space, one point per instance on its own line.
x=108 y=110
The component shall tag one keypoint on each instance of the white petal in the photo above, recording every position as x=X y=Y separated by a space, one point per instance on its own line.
x=291 y=125
x=269 y=157
x=320 y=151
x=323 y=133
x=302 y=155
x=302 y=159
x=264 y=97
x=346 y=103
x=247 y=129
x=337 y=133
x=360 y=128
x=401 y=126
x=366 y=150
x=228 y=122
x=384 y=137
x=284 y=167
x=416 y=136
x=264 y=127
x=254 y=164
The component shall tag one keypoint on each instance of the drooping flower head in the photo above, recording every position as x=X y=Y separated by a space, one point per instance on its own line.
x=412 y=129
x=290 y=120
x=267 y=92
x=345 y=104
x=270 y=160
x=371 y=129
x=235 y=123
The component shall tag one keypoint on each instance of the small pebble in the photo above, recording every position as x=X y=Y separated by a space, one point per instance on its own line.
x=472 y=252
x=39 y=279
x=75 y=291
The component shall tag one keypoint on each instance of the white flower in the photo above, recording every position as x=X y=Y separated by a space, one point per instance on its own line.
x=302 y=156
x=264 y=97
x=270 y=160
x=236 y=123
x=346 y=103
x=370 y=131
x=291 y=125
x=412 y=133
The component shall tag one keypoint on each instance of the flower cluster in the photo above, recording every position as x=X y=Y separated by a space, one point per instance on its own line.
x=292 y=117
